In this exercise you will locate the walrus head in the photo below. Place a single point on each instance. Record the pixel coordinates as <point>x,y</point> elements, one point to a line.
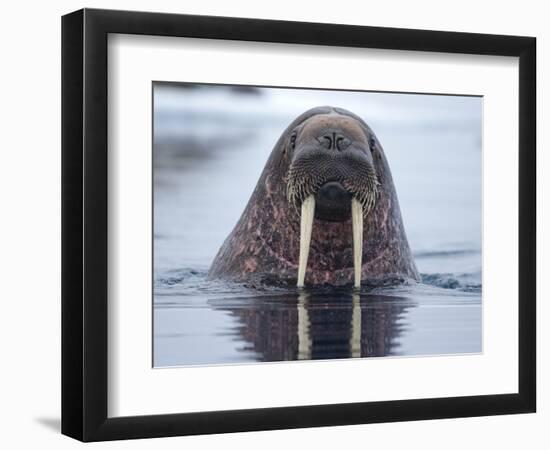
<point>332,175</point>
<point>324,211</point>
<point>331,161</point>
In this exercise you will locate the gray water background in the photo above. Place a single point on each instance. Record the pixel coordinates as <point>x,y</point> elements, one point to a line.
<point>210,146</point>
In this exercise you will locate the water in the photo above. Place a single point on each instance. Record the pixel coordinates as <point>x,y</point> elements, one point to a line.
<point>210,147</point>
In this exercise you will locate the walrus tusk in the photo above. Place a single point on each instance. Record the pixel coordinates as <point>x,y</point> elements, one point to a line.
<point>357,223</point>
<point>306,225</point>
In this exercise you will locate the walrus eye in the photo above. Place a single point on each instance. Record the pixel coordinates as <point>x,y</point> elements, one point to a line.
<point>293,141</point>
<point>372,144</point>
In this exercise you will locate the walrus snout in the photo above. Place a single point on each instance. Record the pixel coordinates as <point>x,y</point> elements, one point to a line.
<point>333,202</point>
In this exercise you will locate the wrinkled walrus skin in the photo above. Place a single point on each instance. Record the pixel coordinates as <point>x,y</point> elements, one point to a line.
<point>263,248</point>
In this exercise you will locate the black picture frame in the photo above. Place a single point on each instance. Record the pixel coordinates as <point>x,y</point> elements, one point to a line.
<point>84,224</point>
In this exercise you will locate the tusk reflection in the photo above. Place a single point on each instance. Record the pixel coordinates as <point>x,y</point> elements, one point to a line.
<point>355,340</point>
<point>304,339</point>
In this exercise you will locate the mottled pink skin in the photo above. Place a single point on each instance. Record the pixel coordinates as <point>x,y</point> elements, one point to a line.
<point>264,245</point>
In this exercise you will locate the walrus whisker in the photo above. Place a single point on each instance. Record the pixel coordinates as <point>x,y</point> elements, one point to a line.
<point>306,225</point>
<point>357,224</point>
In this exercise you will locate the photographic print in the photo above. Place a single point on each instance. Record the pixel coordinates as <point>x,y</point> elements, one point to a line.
<point>307,224</point>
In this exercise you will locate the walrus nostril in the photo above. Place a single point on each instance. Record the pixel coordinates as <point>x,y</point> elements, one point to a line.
<point>334,141</point>
<point>342,143</point>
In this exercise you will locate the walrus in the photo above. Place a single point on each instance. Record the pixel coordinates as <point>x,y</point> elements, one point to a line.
<point>324,211</point>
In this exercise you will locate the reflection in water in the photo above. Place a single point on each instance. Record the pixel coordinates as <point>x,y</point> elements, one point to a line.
<point>304,339</point>
<point>199,321</point>
<point>317,325</point>
<point>355,340</point>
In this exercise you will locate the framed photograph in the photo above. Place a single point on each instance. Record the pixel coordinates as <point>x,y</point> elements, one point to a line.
<point>273,224</point>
